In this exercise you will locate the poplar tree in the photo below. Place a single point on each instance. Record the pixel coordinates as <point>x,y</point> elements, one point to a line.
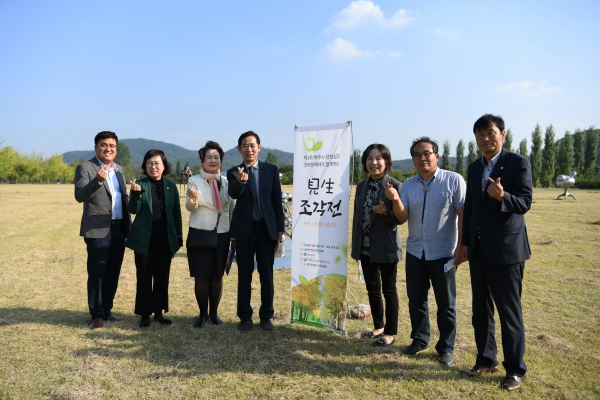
<point>536,155</point>
<point>591,149</point>
<point>460,158</point>
<point>472,156</point>
<point>564,161</point>
<point>445,163</point>
<point>508,139</point>
<point>578,150</point>
<point>523,148</point>
<point>548,157</point>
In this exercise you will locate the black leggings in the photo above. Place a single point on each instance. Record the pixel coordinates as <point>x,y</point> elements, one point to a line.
<point>380,278</point>
<point>210,287</point>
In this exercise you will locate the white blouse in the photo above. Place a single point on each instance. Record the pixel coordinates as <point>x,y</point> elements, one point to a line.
<point>203,213</point>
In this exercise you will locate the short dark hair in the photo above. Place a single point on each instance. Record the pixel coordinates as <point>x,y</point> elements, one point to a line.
<point>385,153</point>
<point>245,135</point>
<point>486,121</point>
<point>153,153</point>
<point>424,139</point>
<point>210,145</point>
<point>105,135</point>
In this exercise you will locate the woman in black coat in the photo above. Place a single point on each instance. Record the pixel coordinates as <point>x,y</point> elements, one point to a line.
<point>376,242</point>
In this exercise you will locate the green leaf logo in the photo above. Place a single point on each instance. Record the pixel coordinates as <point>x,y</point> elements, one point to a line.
<point>337,260</point>
<point>311,145</point>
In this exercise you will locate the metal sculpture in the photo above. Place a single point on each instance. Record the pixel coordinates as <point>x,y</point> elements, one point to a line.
<point>566,181</point>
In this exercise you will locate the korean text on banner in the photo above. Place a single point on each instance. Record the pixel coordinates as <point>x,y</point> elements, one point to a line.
<point>320,225</point>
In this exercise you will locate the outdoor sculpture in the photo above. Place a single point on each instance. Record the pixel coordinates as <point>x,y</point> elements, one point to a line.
<point>566,182</point>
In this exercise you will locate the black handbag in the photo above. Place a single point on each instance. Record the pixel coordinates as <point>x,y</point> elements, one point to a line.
<point>202,238</point>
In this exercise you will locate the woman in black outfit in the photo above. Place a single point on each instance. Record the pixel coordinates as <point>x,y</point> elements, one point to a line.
<point>376,242</point>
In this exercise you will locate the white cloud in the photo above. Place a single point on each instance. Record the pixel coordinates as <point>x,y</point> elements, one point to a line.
<point>529,88</point>
<point>366,12</point>
<point>445,33</point>
<point>342,50</point>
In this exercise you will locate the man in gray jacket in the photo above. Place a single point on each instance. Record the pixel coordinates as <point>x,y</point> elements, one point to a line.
<point>100,186</point>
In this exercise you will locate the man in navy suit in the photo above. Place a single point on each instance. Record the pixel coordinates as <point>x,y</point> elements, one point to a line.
<point>499,192</point>
<point>256,226</point>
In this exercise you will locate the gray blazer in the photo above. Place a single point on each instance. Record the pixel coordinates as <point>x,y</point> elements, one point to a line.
<point>96,199</point>
<point>384,238</point>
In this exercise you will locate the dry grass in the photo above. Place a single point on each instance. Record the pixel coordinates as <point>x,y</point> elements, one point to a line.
<point>46,350</point>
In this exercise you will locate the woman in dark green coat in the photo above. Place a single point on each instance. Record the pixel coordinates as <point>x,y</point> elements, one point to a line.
<point>155,236</point>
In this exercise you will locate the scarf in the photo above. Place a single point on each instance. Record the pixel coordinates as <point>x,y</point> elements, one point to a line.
<point>214,190</point>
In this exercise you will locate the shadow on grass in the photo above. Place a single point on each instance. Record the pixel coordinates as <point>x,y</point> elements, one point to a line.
<point>182,350</point>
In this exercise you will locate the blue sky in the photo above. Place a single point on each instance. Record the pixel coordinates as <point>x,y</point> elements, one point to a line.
<point>189,71</point>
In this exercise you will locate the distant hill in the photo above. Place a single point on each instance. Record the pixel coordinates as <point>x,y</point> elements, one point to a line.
<point>139,147</point>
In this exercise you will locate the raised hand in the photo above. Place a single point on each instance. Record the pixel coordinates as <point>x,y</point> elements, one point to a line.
<point>135,187</point>
<point>192,193</point>
<point>380,209</point>
<point>102,174</point>
<point>390,192</point>
<point>495,189</point>
<point>241,175</point>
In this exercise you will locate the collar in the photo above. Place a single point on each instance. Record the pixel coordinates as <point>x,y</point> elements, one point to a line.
<point>493,161</point>
<point>101,163</point>
<point>436,173</point>
<point>255,165</point>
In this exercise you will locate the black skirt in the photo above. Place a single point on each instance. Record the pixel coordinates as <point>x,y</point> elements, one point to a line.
<point>204,263</point>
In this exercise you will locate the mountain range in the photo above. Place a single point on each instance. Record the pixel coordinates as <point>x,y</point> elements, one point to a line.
<point>139,147</point>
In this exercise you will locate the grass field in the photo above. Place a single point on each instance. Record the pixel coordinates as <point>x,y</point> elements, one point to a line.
<point>47,350</point>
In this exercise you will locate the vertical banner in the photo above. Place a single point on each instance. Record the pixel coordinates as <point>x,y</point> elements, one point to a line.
<point>320,225</point>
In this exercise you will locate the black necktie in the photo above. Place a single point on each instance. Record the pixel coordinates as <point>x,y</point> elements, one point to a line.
<point>252,182</point>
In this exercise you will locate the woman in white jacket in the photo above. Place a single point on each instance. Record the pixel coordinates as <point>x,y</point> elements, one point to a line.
<point>208,202</point>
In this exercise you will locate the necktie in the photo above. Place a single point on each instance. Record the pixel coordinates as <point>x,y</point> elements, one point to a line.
<point>255,206</point>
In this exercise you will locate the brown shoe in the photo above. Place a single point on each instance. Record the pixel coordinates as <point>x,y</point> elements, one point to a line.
<point>478,370</point>
<point>512,382</point>
<point>96,323</point>
<point>113,318</point>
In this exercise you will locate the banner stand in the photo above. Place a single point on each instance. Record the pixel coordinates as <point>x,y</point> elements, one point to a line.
<point>320,225</point>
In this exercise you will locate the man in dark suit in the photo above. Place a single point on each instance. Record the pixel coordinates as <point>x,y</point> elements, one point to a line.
<point>100,186</point>
<point>499,193</point>
<point>256,226</point>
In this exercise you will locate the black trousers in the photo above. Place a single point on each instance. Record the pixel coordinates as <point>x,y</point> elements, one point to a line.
<point>381,278</point>
<point>105,257</point>
<point>261,245</point>
<point>152,296</point>
<point>500,285</point>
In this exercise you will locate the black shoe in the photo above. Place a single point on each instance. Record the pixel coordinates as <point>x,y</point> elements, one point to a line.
<point>446,359</point>
<point>371,335</point>
<point>413,349</point>
<point>478,370</point>
<point>245,324</point>
<point>266,325</point>
<point>200,322</point>
<point>145,322</point>
<point>216,320</point>
<point>382,343</point>
<point>162,320</point>
<point>512,382</point>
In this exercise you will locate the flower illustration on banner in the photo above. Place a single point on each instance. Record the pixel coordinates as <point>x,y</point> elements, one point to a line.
<point>311,145</point>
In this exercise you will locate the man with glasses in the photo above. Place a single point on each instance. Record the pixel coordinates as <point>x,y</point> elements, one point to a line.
<point>499,193</point>
<point>100,186</point>
<point>432,201</point>
<point>256,226</point>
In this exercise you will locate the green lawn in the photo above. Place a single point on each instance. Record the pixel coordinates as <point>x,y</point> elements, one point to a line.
<point>47,351</point>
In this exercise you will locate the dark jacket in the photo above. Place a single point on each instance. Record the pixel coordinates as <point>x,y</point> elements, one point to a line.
<point>503,233</point>
<point>384,238</point>
<point>141,204</point>
<point>270,201</point>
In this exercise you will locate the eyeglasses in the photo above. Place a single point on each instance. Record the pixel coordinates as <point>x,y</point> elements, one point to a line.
<point>251,145</point>
<point>418,156</point>
<point>151,164</point>
<point>105,145</point>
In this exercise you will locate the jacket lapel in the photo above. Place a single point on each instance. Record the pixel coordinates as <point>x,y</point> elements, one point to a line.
<point>97,167</point>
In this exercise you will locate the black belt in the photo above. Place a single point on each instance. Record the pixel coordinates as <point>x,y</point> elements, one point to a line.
<point>116,222</point>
